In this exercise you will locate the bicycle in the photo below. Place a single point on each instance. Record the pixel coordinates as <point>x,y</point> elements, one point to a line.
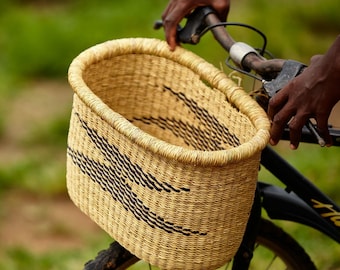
<point>300,201</point>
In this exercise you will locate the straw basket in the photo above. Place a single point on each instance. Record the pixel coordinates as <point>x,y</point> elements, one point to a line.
<point>163,152</point>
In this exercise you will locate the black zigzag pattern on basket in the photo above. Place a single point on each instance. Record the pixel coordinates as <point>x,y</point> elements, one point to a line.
<point>113,179</point>
<point>122,163</point>
<point>212,138</point>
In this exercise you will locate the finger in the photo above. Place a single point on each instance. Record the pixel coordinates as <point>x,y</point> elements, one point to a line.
<point>322,125</point>
<point>315,58</point>
<point>171,37</point>
<point>170,26</point>
<point>223,15</point>
<point>166,11</point>
<point>276,103</point>
<point>276,129</point>
<point>295,130</point>
<point>279,122</point>
<point>222,9</point>
<point>171,18</point>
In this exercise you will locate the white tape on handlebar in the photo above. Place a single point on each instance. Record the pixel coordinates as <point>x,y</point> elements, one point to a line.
<point>239,50</point>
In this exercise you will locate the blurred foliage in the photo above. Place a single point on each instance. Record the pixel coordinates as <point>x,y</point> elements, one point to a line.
<point>20,258</point>
<point>39,39</point>
<point>40,173</point>
<point>296,29</point>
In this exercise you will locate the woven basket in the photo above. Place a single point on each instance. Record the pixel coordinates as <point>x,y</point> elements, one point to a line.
<point>163,152</point>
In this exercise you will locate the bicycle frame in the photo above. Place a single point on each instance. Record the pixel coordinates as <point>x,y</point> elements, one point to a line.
<point>301,201</point>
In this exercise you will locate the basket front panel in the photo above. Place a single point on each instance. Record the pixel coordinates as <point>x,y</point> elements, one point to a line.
<point>171,214</point>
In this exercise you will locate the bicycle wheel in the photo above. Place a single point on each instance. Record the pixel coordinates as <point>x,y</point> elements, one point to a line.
<point>274,249</point>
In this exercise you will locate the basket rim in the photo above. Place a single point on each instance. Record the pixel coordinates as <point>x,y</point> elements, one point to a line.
<point>218,79</point>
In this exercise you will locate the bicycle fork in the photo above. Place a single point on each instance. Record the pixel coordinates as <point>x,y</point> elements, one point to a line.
<point>244,254</point>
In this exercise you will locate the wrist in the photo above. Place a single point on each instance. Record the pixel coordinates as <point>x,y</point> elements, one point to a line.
<point>332,58</point>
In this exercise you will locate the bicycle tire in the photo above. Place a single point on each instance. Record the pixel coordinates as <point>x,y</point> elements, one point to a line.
<point>271,237</point>
<point>284,246</point>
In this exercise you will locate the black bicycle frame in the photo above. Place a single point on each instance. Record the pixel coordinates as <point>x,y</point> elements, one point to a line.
<point>301,201</point>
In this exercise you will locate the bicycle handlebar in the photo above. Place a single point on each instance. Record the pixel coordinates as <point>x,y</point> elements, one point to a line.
<point>276,73</point>
<point>245,56</point>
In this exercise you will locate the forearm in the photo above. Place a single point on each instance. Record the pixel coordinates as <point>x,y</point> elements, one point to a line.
<point>323,74</point>
<point>331,64</point>
<point>334,53</point>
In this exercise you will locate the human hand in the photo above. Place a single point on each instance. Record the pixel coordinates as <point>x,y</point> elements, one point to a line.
<point>178,9</point>
<point>312,94</point>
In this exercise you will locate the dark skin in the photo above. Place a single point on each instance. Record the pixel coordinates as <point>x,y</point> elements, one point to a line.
<point>178,9</point>
<point>312,94</point>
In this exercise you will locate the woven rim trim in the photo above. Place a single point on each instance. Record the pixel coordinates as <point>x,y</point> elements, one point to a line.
<point>217,79</point>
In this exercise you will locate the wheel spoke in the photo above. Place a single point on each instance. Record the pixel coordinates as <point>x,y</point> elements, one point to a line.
<point>271,262</point>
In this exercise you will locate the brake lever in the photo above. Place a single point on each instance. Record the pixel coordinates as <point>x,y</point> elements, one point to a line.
<point>194,26</point>
<point>290,69</point>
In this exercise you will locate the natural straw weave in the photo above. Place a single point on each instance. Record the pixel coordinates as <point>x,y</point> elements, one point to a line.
<point>163,152</point>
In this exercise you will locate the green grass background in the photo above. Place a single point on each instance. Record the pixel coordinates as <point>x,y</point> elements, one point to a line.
<point>39,39</point>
